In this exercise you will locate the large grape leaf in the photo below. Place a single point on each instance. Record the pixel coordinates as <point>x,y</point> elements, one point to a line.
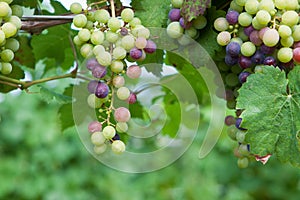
<point>191,9</point>
<point>50,96</point>
<point>271,104</point>
<point>153,13</point>
<point>27,3</point>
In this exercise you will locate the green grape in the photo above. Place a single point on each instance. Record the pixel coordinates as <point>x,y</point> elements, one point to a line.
<point>76,8</point>
<point>256,24</point>
<point>192,32</point>
<point>123,93</point>
<point>284,31</point>
<point>2,37</point>
<point>290,18</point>
<point>80,21</point>
<point>243,150</point>
<point>231,132</point>
<point>251,6</point>
<point>271,37</point>
<point>248,49</point>
<point>99,149</point>
<point>237,40</point>
<point>119,53</point>
<point>17,10</point>
<point>280,4</point>
<point>111,37</point>
<point>97,138</point>
<point>127,14</point>
<point>292,5</point>
<point>266,5</point>
<point>109,132</point>
<point>240,2</point>
<point>143,32</point>
<point>118,147</point>
<point>200,22</point>
<point>77,41</point>
<point>285,54</point>
<point>94,102</point>
<point>86,50</point>
<point>236,7</point>
<point>122,127</point>
<point>11,43</point>
<point>9,29</point>
<point>84,35</point>
<point>5,10</point>
<point>223,38</point>
<point>128,42</point>
<point>231,80</point>
<point>89,25</point>
<point>177,3</point>
<point>7,55</point>
<point>135,22</point>
<point>263,17</point>
<point>91,16</point>
<point>243,162</point>
<point>184,40</point>
<point>16,21</point>
<point>114,24</point>
<point>104,58</point>
<point>231,104</point>
<point>236,69</point>
<point>296,33</point>
<point>174,30</point>
<point>6,68</point>
<point>97,37</point>
<point>102,16</point>
<point>240,136</point>
<point>98,49</point>
<point>287,42</point>
<point>118,81</point>
<point>140,42</point>
<point>245,19</point>
<point>117,66</point>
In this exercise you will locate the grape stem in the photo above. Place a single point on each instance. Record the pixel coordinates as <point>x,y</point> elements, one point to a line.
<point>113,9</point>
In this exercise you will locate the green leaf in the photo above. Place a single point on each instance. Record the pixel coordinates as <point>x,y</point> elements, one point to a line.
<point>27,3</point>
<point>153,13</point>
<point>50,96</point>
<point>65,111</point>
<point>208,36</point>
<point>271,104</point>
<point>191,9</point>
<point>17,73</point>
<point>153,62</point>
<point>25,55</point>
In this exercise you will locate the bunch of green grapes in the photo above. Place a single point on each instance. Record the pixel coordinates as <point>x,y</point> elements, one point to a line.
<point>10,25</point>
<point>254,34</point>
<point>108,43</point>
<point>181,30</point>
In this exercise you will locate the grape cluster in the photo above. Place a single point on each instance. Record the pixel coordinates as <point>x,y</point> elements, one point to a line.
<point>10,25</point>
<point>109,43</point>
<point>180,29</point>
<point>255,33</point>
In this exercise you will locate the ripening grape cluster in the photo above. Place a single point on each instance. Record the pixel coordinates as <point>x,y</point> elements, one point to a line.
<point>255,33</point>
<point>180,29</point>
<point>109,43</point>
<point>10,25</point>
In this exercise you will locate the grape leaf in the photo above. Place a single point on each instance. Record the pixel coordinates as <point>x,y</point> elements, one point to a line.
<point>27,3</point>
<point>65,111</point>
<point>50,96</point>
<point>271,104</point>
<point>191,9</point>
<point>153,13</point>
<point>24,55</point>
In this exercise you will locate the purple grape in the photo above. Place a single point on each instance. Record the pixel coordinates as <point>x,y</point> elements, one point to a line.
<point>116,137</point>
<point>92,86</point>
<point>258,57</point>
<point>99,71</point>
<point>248,30</point>
<point>270,60</point>
<point>233,49</point>
<point>232,17</point>
<point>185,25</point>
<point>243,77</point>
<point>230,61</point>
<point>229,96</point>
<point>238,123</point>
<point>94,126</point>
<point>102,90</point>
<point>136,53</point>
<point>150,47</point>
<point>229,120</point>
<point>287,66</point>
<point>267,50</point>
<point>92,63</point>
<point>254,38</point>
<point>245,62</point>
<point>174,14</point>
<point>124,31</point>
<point>132,98</point>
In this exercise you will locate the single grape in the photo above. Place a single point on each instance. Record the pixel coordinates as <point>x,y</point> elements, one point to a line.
<point>119,53</point>
<point>270,60</point>
<point>245,19</point>
<point>140,42</point>
<point>17,10</point>
<point>251,7</point>
<point>97,37</point>
<point>221,24</point>
<point>229,120</point>
<point>236,69</point>
<point>244,149</point>
<point>280,4</point>
<point>102,90</point>
<point>150,47</point>
<point>223,38</point>
<point>7,55</point>
<point>99,72</point>
<point>5,10</point>
<point>174,30</point>
<point>84,35</point>
<point>122,114</point>
<point>118,147</point>
<point>290,18</point>
<point>233,49</point>
<point>109,132</point>
<point>234,6</point>
<point>229,95</point>
<point>263,17</point>
<point>9,29</point>
<point>128,42</point>
<point>200,22</point>
<point>284,31</point>
<point>16,21</point>
<point>267,50</point>
<point>127,14</point>
<point>86,50</point>
<point>80,21</point>
<point>92,86</point>
<point>123,93</point>
<point>102,16</point>
<point>92,63</point>
<point>296,55</point>
<point>248,30</point>
<point>118,81</point>
<point>97,138</point>
<point>104,58</point>
<point>285,54</point>
<point>136,53</point>
<point>76,8</point>
<point>135,22</point>
<point>232,17</point>
<point>267,5</point>
<point>6,68</point>
<point>287,42</point>
<point>254,38</point>
<point>177,3</point>
<point>231,80</point>
<point>11,43</point>
<point>117,66</point>
<point>248,49</point>
<point>99,149</point>
<point>243,77</point>
<point>258,58</point>
<point>192,32</point>
<point>134,71</point>
<point>121,127</point>
<point>132,98</point>
<point>245,62</point>
<point>296,33</point>
<point>124,31</point>
<point>184,24</point>
<point>243,162</point>
<point>231,132</point>
<point>117,136</point>
<point>174,14</point>
<point>256,25</point>
<point>240,136</point>
<point>229,60</point>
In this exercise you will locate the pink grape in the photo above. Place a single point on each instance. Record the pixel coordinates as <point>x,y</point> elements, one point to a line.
<point>150,47</point>
<point>92,86</point>
<point>136,53</point>
<point>122,114</point>
<point>99,71</point>
<point>134,71</point>
<point>95,126</point>
<point>132,98</point>
<point>92,63</point>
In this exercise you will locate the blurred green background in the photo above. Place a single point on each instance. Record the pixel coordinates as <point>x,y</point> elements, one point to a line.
<point>39,162</point>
